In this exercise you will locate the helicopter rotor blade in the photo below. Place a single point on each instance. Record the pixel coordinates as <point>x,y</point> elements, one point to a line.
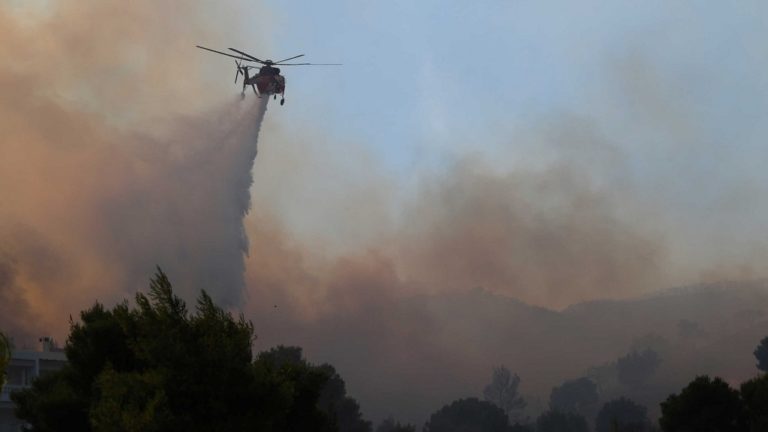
<point>237,70</point>
<point>223,53</point>
<point>311,64</point>
<point>289,58</point>
<point>247,55</point>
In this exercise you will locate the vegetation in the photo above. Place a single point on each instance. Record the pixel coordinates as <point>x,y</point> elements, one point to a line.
<point>706,404</point>
<point>761,354</point>
<point>5,356</point>
<point>622,415</point>
<point>557,421</point>
<point>577,396</point>
<point>158,367</point>
<point>754,393</point>
<point>469,414</point>
<point>503,391</point>
<point>390,425</point>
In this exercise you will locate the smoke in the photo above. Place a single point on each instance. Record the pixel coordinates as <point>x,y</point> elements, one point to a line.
<point>98,187</point>
<point>394,311</point>
<point>548,238</point>
<point>112,161</point>
<point>393,314</point>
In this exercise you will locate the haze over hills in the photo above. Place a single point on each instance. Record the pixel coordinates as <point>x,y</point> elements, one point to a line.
<point>457,338</point>
<point>585,164</point>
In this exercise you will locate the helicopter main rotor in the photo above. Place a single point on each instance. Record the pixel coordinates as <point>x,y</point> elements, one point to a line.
<point>244,56</point>
<point>281,62</point>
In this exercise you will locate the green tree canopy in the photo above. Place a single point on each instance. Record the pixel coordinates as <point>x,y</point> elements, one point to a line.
<point>520,428</point>
<point>761,354</point>
<point>577,396</point>
<point>332,399</point>
<point>755,395</point>
<point>467,415</point>
<point>159,367</point>
<point>705,405</point>
<point>390,425</point>
<point>5,357</point>
<point>503,391</point>
<point>557,421</point>
<point>622,415</point>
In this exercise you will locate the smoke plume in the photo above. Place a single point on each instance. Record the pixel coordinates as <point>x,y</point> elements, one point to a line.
<point>117,154</point>
<point>96,190</point>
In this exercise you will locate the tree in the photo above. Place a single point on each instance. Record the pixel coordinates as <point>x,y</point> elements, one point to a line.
<point>636,368</point>
<point>503,391</point>
<point>467,415</point>
<point>517,427</point>
<point>557,421</point>
<point>577,396</point>
<point>344,410</point>
<point>390,425</point>
<point>332,399</point>
<point>755,395</point>
<point>704,405</point>
<point>158,367</point>
<point>5,357</point>
<point>761,354</point>
<point>622,415</point>
<point>292,386</point>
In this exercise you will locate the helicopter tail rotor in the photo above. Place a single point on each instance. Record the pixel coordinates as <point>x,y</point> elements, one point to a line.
<point>239,71</point>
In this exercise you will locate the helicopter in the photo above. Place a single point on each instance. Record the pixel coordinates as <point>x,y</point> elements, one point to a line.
<point>268,80</point>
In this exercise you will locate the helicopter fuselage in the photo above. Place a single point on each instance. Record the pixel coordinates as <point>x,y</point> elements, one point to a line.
<point>267,82</point>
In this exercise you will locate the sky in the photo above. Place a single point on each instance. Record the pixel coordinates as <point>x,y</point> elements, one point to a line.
<point>676,90</point>
<point>547,152</point>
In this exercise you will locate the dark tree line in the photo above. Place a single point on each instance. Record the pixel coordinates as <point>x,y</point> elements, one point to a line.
<point>705,405</point>
<point>5,356</point>
<point>710,404</point>
<point>158,367</point>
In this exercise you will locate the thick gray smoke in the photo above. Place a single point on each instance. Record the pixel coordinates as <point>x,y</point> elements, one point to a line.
<point>116,205</point>
<point>111,165</point>
<point>185,209</point>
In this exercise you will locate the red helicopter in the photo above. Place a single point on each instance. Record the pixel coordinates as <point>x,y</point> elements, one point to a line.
<point>268,81</point>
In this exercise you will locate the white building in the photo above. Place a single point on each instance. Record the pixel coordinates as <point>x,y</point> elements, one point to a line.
<point>24,367</point>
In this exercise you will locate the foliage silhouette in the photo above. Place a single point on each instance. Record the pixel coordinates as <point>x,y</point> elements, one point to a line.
<point>557,421</point>
<point>761,354</point>
<point>503,391</point>
<point>466,415</point>
<point>755,395</point>
<point>390,425</point>
<point>517,427</point>
<point>158,367</point>
<point>577,396</point>
<point>332,398</point>
<point>623,415</point>
<point>704,405</point>
<point>5,356</point>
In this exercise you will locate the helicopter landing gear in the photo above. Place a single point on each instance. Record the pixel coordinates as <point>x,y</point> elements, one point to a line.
<point>274,98</point>
<point>282,101</point>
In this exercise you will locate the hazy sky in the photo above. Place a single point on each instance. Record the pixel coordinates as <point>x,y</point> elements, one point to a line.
<point>549,152</point>
<point>676,91</point>
<point>650,116</point>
